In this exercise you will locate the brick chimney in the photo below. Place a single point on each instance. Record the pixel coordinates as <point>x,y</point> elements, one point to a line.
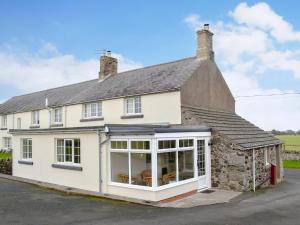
<point>108,65</point>
<point>205,43</point>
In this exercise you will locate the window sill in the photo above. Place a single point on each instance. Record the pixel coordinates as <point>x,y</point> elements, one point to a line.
<point>34,126</point>
<point>25,162</point>
<point>92,119</point>
<point>67,167</point>
<point>132,116</point>
<point>57,125</point>
<point>3,128</point>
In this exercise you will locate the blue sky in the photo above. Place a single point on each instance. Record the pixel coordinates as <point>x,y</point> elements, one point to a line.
<point>38,37</point>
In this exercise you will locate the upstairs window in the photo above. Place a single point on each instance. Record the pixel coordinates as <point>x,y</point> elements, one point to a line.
<point>57,115</point>
<point>133,105</point>
<point>4,121</point>
<point>92,110</point>
<point>19,123</point>
<point>35,118</point>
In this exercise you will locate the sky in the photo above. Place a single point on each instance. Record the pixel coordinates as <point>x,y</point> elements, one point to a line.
<point>45,44</point>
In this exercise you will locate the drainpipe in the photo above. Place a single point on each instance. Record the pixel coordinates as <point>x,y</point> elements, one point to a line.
<point>253,169</point>
<point>100,143</point>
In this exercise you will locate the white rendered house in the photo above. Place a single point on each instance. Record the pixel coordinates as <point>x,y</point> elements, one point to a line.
<point>146,134</point>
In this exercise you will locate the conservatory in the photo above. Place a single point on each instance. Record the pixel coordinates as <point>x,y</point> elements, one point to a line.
<point>158,163</point>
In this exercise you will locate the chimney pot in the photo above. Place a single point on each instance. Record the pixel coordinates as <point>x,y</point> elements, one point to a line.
<point>205,43</point>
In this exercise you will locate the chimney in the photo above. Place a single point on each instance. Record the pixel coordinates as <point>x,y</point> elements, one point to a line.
<point>205,44</point>
<point>108,65</point>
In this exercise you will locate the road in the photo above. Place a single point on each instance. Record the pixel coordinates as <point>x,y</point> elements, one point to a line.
<point>28,204</point>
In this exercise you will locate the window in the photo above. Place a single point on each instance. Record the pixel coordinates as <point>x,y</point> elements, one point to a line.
<point>68,151</point>
<point>186,143</point>
<point>57,115</point>
<point>267,157</point>
<point>133,105</point>
<point>92,110</point>
<point>175,163</point>
<point>201,157</point>
<point>4,121</point>
<point>19,124</point>
<point>7,142</point>
<point>131,165</point>
<point>26,149</point>
<point>166,144</point>
<point>35,118</point>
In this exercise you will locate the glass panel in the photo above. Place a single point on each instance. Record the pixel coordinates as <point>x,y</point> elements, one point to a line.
<point>186,164</point>
<point>24,148</point>
<point>141,169</point>
<point>129,105</point>
<point>166,168</point>
<point>76,151</point>
<point>141,145</point>
<point>201,157</point>
<point>119,167</point>
<point>118,144</point>
<point>94,109</point>
<point>68,150</point>
<point>165,144</point>
<point>60,150</point>
<point>186,143</point>
<point>137,104</point>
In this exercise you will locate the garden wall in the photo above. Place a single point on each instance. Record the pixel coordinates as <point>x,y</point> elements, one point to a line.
<point>291,155</point>
<point>6,166</point>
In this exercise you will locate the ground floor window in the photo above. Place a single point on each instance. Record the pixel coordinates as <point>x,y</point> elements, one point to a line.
<point>201,157</point>
<point>68,151</point>
<point>26,147</point>
<point>267,156</point>
<point>7,142</point>
<point>130,162</point>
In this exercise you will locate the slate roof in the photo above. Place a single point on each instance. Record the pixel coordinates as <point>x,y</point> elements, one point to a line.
<point>238,130</point>
<point>154,79</point>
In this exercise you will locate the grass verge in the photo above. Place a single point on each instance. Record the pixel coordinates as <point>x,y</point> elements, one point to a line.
<point>291,164</point>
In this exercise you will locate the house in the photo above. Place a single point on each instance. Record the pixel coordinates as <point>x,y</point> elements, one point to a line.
<point>150,133</point>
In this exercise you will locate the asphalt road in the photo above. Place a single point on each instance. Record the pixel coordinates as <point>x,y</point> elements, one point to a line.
<point>27,204</point>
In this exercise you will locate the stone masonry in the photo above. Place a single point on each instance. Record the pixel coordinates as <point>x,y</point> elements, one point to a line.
<point>6,166</point>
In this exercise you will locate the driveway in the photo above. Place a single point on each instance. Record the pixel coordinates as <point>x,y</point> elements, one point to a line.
<point>27,204</point>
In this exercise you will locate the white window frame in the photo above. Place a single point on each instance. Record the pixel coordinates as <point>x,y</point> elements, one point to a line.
<point>267,157</point>
<point>73,163</point>
<point>35,117</point>
<point>154,151</point>
<point>7,144</point>
<point>92,110</point>
<point>4,121</point>
<point>28,147</point>
<point>57,115</point>
<point>133,105</point>
<point>19,123</point>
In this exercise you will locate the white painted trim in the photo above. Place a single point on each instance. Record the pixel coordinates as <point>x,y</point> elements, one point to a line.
<point>183,134</point>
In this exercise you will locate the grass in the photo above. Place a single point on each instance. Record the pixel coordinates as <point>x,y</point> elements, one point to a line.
<point>291,164</point>
<point>292,142</point>
<point>5,155</point>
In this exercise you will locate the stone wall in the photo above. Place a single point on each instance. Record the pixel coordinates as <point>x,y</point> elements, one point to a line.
<point>231,166</point>
<point>6,166</point>
<point>291,155</point>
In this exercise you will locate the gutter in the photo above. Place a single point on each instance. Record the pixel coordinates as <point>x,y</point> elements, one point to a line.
<point>253,170</point>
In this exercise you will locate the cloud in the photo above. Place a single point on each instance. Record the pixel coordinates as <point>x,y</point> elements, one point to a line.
<point>47,68</point>
<point>252,43</point>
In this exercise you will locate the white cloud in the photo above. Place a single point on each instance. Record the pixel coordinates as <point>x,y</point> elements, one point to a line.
<point>48,68</point>
<point>248,47</point>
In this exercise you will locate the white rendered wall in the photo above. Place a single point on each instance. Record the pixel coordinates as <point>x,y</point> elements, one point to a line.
<point>43,156</point>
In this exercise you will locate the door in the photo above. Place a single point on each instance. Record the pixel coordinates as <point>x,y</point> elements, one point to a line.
<point>201,164</point>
